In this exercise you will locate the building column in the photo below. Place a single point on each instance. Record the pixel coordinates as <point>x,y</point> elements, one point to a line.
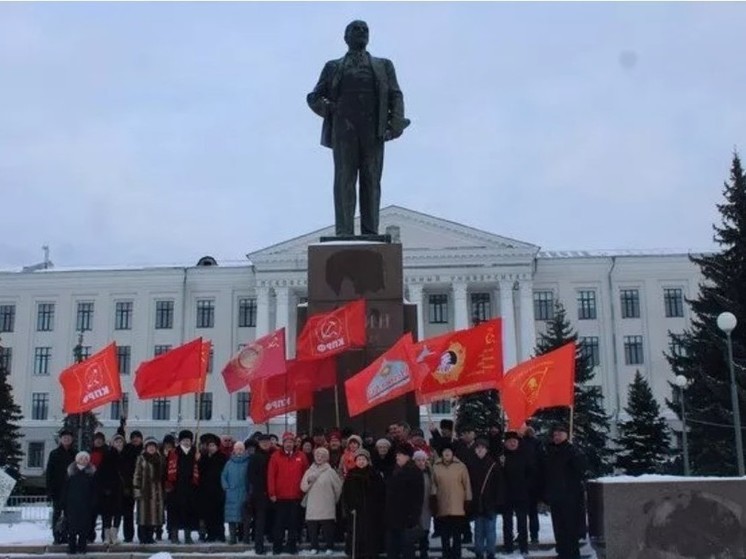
<point>262,311</point>
<point>528,327</point>
<point>415,297</point>
<point>507,314</point>
<point>460,307</point>
<point>282,313</point>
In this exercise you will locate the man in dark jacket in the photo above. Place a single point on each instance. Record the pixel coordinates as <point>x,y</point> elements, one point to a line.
<point>258,501</point>
<point>98,453</point>
<point>59,459</point>
<point>440,437</point>
<point>464,450</point>
<point>488,494</point>
<point>182,480</point>
<point>405,494</point>
<point>564,472</point>
<point>111,480</point>
<point>132,450</point>
<point>531,445</point>
<point>517,472</point>
<point>211,494</point>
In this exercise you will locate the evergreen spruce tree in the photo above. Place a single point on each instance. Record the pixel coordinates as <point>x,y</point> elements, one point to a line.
<point>10,414</point>
<point>82,425</point>
<point>590,422</point>
<point>699,353</point>
<point>644,440</point>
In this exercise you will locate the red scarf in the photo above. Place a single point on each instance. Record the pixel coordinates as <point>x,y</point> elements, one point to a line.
<point>173,466</point>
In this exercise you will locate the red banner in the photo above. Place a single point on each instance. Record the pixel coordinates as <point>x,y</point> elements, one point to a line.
<point>392,375</point>
<point>279,394</point>
<point>92,383</point>
<point>179,371</point>
<point>321,373</point>
<point>333,333</point>
<point>460,362</point>
<point>261,358</point>
<point>545,381</point>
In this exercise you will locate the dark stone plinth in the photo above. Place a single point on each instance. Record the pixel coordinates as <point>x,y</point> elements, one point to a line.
<point>340,273</point>
<point>359,238</point>
<point>697,518</point>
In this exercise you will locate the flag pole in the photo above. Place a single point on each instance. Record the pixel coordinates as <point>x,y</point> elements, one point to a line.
<point>336,404</point>
<point>79,359</point>
<point>572,420</point>
<point>310,422</point>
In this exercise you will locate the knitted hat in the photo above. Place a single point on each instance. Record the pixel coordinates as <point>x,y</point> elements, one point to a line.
<point>362,452</point>
<point>383,442</point>
<point>335,435</point>
<point>186,434</point>
<point>288,435</point>
<point>355,438</point>
<point>420,455</point>
<point>149,441</point>
<point>117,438</point>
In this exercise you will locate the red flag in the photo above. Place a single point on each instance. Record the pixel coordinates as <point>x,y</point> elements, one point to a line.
<point>279,394</point>
<point>261,358</point>
<point>460,362</point>
<point>321,373</point>
<point>333,333</point>
<point>92,383</point>
<point>542,382</point>
<point>392,375</point>
<point>179,371</point>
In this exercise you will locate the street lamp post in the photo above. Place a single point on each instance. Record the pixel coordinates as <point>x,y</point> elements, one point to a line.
<point>727,323</point>
<point>682,382</point>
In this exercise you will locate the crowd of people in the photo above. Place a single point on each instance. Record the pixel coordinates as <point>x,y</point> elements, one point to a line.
<point>373,496</point>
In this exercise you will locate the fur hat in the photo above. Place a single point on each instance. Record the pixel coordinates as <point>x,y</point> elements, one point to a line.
<point>355,438</point>
<point>420,454</point>
<point>149,441</point>
<point>446,424</point>
<point>134,434</point>
<point>383,442</point>
<point>169,439</point>
<point>117,437</point>
<point>186,434</point>
<point>362,452</point>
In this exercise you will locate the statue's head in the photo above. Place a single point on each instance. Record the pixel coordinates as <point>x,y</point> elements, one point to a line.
<point>356,34</point>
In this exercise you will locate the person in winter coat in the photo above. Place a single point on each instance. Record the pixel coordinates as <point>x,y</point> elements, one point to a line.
<point>79,502</point>
<point>518,474</point>
<point>323,488</point>
<point>147,489</point>
<point>210,493</point>
<point>234,482</point>
<point>417,440</point>
<point>422,461</point>
<point>168,444</point>
<point>405,491</point>
<point>335,449</point>
<point>132,450</point>
<point>452,491</point>
<point>383,459</point>
<point>111,480</point>
<point>487,490</point>
<point>439,437</point>
<point>531,445</point>
<point>363,507</point>
<point>285,472</point>
<point>258,501</point>
<point>354,443</point>
<point>98,452</point>
<point>182,481</point>
<point>56,476</point>
<point>564,472</point>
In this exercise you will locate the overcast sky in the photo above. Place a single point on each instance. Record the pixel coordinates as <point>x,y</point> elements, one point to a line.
<point>138,133</point>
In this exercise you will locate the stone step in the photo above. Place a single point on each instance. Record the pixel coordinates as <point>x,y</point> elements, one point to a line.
<point>184,554</point>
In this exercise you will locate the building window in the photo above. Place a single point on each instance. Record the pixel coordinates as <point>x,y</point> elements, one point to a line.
<point>85,352</point>
<point>587,305</point>
<point>45,317</point>
<point>84,319</point>
<point>7,318</point>
<point>161,409</point>
<point>164,315</point>
<point>6,359</point>
<point>39,406</point>
<point>35,454</point>
<point>441,406</point>
<point>673,300</point>
<point>161,349</point>
<point>42,358</point>
<point>246,313</point>
<point>590,351</point>
<point>630,301</point>
<point>205,313</point>
<point>438,306</point>
<point>123,315</point>
<point>633,350</point>
<point>120,408</point>
<point>543,305</point>
<point>243,401</point>
<point>203,406</point>
<point>210,360</point>
<point>481,308</point>
<point>124,357</point>
<point>678,349</point>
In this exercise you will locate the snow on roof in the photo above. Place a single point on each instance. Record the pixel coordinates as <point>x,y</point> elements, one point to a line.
<point>129,267</point>
<point>620,252</point>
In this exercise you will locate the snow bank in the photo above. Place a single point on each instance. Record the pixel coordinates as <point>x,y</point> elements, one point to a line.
<point>25,533</point>
<point>656,478</point>
<point>161,555</point>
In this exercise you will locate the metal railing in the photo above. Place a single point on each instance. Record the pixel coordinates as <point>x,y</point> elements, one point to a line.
<point>20,508</point>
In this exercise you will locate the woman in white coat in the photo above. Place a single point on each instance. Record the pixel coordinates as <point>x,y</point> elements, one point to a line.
<point>323,487</point>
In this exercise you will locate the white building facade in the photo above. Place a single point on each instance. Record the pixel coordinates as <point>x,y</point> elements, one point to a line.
<point>623,306</point>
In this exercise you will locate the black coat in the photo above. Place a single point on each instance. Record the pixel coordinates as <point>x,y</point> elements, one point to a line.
<point>384,466</point>
<point>405,493</point>
<point>535,455</point>
<point>518,473</point>
<point>257,476</point>
<point>131,453</point>
<point>465,453</point>
<point>79,498</point>
<point>111,478</point>
<point>211,497</point>
<point>363,491</point>
<point>487,489</point>
<point>56,474</point>
<point>564,472</point>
